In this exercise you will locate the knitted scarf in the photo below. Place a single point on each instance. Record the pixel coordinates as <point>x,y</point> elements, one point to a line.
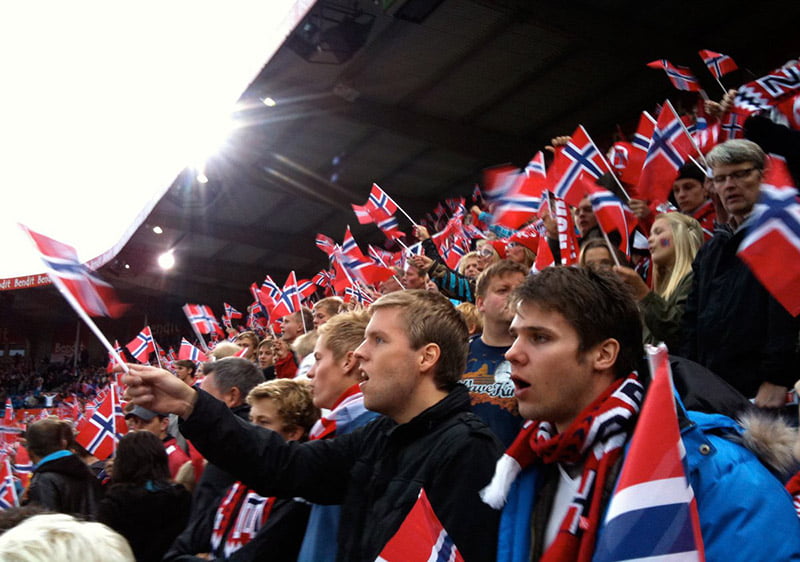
<point>240,515</point>
<point>348,406</point>
<point>595,438</point>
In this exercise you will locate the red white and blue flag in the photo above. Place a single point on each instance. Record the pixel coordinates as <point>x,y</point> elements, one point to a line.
<point>771,247</point>
<point>142,345</point>
<point>522,201</point>
<point>680,76</point>
<point>421,536</point>
<point>111,361</point>
<point>380,209</point>
<point>717,63</point>
<point>669,149</point>
<point>612,214</point>
<point>99,432</point>
<point>769,90</point>
<point>190,352</point>
<point>653,512</point>
<point>8,493</point>
<point>202,318</point>
<point>92,294</point>
<point>576,166</point>
<point>230,312</point>
<point>8,414</point>
<point>627,158</point>
<point>325,243</point>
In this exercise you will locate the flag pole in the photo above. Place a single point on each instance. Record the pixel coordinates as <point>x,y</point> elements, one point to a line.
<point>155,346</point>
<point>691,138</point>
<point>399,208</point>
<point>199,337</point>
<point>383,263</point>
<point>610,248</point>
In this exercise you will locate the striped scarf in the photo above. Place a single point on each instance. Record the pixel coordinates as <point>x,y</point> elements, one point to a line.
<point>596,439</point>
<point>348,407</point>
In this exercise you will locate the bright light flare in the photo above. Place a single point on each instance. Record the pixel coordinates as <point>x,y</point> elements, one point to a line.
<point>166,260</point>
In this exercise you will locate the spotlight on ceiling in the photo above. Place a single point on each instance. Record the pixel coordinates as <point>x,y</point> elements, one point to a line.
<point>269,102</point>
<point>158,230</point>
<point>166,260</point>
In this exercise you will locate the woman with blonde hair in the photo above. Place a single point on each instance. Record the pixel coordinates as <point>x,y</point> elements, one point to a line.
<point>674,241</point>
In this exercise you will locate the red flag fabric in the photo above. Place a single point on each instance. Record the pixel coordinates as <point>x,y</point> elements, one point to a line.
<point>8,415</point>
<point>628,158</point>
<point>99,432</point>
<point>575,167</point>
<point>92,294</point>
<point>669,150</point>
<point>8,493</point>
<point>680,76</point>
<point>522,201</point>
<point>771,247</point>
<point>790,108</point>
<point>190,352</point>
<point>420,537</point>
<point>717,63</point>
<point>142,345</point>
<point>202,318</point>
<point>325,243</point>
<point>653,496</point>
<point>111,361</point>
<point>544,256</point>
<point>612,215</point>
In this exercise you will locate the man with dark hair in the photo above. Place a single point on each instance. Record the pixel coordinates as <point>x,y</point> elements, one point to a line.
<point>411,361</point>
<point>488,373</point>
<point>142,419</point>
<point>732,325</point>
<point>61,481</point>
<point>578,339</point>
<point>691,196</point>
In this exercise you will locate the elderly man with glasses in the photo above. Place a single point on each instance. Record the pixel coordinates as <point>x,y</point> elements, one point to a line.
<point>733,326</point>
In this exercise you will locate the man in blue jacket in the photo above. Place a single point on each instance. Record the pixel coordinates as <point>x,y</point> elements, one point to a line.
<point>577,344</point>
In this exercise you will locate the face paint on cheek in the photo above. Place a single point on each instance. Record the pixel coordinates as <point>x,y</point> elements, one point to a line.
<point>665,243</point>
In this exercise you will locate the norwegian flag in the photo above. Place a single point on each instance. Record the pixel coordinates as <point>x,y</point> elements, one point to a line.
<point>771,247</point>
<point>680,76</point>
<point>325,243</point>
<point>381,256</point>
<point>776,173</point>
<point>380,209</point>
<point>270,292</point>
<point>92,294</point>
<point>421,536</point>
<point>523,199</point>
<point>23,466</point>
<point>202,318</point>
<point>612,214</point>
<point>669,150</point>
<point>380,201</point>
<point>292,292</point>
<point>323,279</point>
<point>731,127</point>
<point>357,265</point>
<point>575,167</point>
<point>499,182</point>
<point>653,499</point>
<point>142,345</point>
<point>354,293</point>
<point>768,90</point>
<point>717,63</point>
<point>231,312</point>
<point>111,361</point>
<point>8,493</point>
<point>100,431</point>
<point>627,158</point>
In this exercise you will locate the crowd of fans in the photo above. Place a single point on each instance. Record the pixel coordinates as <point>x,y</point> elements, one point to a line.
<point>315,443</point>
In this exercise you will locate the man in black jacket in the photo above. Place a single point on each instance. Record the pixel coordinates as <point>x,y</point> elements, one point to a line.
<point>412,359</point>
<point>732,325</point>
<point>61,481</point>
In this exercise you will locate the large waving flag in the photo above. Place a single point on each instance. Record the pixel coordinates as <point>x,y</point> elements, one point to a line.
<point>717,63</point>
<point>142,345</point>
<point>380,209</point>
<point>771,247</point>
<point>100,431</point>
<point>653,512</point>
<point>575,167</point>
<point>78,282</point>
<point>669,150</point>
<point>628,158</point>
<point>680,76</point>
<point>420,537</point>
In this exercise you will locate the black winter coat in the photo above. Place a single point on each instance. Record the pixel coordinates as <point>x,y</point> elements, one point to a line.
<point>65,485</point>
<point>375,472</point>
<point>732,325</point>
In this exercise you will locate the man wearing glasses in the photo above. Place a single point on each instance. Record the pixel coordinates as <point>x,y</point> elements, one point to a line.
<point>732,325</point>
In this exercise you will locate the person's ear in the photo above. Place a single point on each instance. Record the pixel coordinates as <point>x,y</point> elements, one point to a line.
<point>604,354</point>
<point>429,356</point>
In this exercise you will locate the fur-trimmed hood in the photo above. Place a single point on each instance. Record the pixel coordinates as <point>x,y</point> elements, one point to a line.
<point>771,439</point>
